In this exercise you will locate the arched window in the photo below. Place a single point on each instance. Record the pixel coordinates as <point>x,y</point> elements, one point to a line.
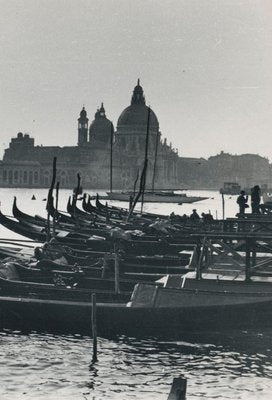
<point>31,177</point>
<point>10,177</point>
<point>16,176</point>
<point>36,177</point>
<point>25,176</point>
<point>63,179</point>
<point>46,178</point>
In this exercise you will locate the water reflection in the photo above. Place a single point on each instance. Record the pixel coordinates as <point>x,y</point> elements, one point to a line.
<point>234,365</point>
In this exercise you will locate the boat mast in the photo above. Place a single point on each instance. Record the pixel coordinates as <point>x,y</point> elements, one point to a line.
<point>50,198</point>
<point>146,157</point>
<point>155,160</point>
<point>111,145</point>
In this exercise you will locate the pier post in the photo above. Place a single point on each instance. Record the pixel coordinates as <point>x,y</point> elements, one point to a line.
<point>117,272</point>
<point>105,266</point>
<point>247,266</point>
<point>253,259</point>
<point>200,260</point>
<point>178,389</point>
<point>223,206</point>
<point>94,328</point>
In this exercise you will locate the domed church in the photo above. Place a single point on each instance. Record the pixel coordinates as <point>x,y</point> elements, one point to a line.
<point>130,143</point>
<point>27,165</point>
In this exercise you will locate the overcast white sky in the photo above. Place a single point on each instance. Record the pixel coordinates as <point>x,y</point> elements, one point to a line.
<point>205,66</point>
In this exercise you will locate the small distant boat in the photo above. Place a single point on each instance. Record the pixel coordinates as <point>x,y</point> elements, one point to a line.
<point>267,197</point>
<point>231,188</point>
<point>155,197</point>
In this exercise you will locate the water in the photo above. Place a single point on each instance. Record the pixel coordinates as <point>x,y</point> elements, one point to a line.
<point>234,365</point>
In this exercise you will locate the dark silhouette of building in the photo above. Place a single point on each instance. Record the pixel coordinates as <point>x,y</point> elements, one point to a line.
<point>27,165</point>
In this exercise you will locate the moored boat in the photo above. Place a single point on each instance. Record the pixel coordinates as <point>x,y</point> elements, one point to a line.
<point>152,310</point>
<point>155,197</point>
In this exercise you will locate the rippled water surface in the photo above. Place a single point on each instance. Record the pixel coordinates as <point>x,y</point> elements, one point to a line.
<point>236,365</point>
<point>230,366</point>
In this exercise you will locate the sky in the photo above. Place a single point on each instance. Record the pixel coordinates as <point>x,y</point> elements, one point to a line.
<point>205,67</point>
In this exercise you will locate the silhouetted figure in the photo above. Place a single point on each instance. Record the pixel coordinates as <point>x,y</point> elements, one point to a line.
<point>194,216</point>
<point>207,218</point>
<point>242,202</point>
<point>255,199</point>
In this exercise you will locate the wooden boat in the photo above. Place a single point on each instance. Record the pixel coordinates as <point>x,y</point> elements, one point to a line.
<point>123,211</point>
<point>152,310</point>
<point>155,197</point>
<point>93,242</point>
<point>51,273</point>
<point>60,290</point>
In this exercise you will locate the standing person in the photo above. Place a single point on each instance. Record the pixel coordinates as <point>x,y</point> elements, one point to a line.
<point>242,202</point>
<point>194,216</point>
<point>255,199</point>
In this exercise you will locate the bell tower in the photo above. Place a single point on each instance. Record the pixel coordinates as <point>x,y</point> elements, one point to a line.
<point>82,127</point>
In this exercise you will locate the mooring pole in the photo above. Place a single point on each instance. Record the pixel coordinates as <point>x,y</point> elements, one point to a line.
<point>48,227</point>
<point>50,198</point>
<point>94,328</point>
<point>247,266</point>
<point>55,210</point>
<point>178,389</point>
<point>155,160</point>
<point>105,266</point>
<point>200,261</point>
<point>146,157</point>
<point>116,272</point>
<point>111,146</point>
<point>223,206</point>
<point>253,260</point>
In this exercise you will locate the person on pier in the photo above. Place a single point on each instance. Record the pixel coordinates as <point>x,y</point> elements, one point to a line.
<point>242,202</point>
<point>194,216</point>
<point>255,199</point>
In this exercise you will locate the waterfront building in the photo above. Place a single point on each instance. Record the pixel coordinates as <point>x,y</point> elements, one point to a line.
<point>246,170</point>
<point>27,165</point>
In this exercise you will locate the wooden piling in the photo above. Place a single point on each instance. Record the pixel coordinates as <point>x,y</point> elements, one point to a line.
<point>247,265</point>
<point>116,272</point>
<point>200,260</point>
<point>253,260</point>
<point>56,210</point>
<point>105,266</point>
<point>94,328</point>
<point>223,206</point>
<point>178,389</point>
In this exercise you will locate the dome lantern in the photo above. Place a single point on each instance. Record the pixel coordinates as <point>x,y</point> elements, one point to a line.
<point>138,94</point>
<point>133,120</point>
<point>100,128</point>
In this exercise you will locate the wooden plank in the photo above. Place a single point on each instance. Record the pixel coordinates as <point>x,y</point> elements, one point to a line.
<point>178,389</point>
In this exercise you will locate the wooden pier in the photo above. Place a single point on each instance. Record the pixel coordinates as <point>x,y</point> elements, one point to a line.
<point>247,253</point>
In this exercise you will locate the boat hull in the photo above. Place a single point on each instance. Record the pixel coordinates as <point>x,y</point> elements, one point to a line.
<point>75,317</point>
<point>156,198</point>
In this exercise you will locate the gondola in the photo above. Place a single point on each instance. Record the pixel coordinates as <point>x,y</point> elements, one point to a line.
<point>152,310</point>
<point>124,212</point>
<point>37,233</point>
<point>79,278</point>
<point>83,241</point>
<point>60,290</point>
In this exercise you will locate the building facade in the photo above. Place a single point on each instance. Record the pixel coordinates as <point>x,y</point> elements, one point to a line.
<point>27,165</point>
<point>247,170</point>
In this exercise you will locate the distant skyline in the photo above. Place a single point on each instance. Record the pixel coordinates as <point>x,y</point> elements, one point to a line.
<point>205,67</point>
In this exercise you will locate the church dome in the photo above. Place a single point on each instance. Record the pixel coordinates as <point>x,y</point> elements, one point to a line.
<point>100,128</point>
<point>135,115</point>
